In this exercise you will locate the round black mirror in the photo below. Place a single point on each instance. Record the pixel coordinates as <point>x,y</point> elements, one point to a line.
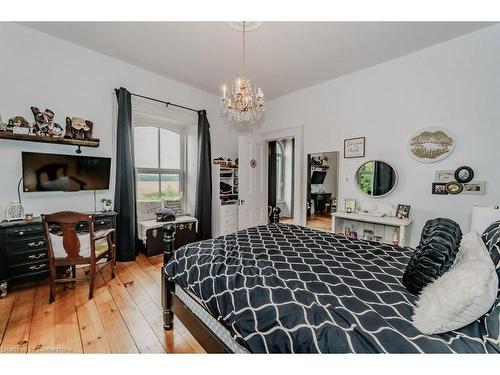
<point>376,178</point>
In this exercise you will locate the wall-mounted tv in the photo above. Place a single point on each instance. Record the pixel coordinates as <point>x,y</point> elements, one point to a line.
<point>56,172</point>
<point>318,177</point>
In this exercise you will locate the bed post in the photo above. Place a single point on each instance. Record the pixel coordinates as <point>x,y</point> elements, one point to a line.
<point>276,215</point>
<point>166,285</point>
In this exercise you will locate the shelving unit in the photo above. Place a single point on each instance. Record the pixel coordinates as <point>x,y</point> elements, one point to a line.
<point>383,227</point>
<point>224,203</point>
<point>35,138</point>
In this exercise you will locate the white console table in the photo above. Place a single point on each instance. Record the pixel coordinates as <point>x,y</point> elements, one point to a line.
<point>381,226</point>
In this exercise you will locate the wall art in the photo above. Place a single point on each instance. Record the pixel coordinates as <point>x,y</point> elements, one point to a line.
<point>430,145</point>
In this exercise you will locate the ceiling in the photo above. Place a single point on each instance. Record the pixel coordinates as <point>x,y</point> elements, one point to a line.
<point>281,56</point>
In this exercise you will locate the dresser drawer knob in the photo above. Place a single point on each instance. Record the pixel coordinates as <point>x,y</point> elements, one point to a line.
<point>36,244</point>
<point>21,233</point>
<point>37,267</point>
<point>37,256</point>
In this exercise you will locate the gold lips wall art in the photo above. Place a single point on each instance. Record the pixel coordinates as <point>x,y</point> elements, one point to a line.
<point>430,145</point>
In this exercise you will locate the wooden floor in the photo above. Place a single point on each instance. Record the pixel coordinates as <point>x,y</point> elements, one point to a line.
<point>323,222</point>
<point>124,316</point>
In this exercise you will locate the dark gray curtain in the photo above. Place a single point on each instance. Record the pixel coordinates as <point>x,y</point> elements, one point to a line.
<point>203,207</point>
<point>271,178</point>
<point>126,222</point>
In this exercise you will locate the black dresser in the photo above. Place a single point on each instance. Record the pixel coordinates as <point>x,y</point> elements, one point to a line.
<point>23,250</point>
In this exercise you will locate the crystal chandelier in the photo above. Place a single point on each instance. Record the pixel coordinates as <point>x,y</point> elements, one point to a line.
<point>245,103</point>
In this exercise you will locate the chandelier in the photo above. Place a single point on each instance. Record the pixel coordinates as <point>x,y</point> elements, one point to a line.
<point>244,103</point>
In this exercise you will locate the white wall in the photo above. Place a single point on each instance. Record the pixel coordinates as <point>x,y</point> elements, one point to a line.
<point>47,72</point>
<point>454,84</point>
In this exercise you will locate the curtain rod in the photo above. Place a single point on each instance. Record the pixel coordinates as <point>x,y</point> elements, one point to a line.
<point>166,103</point>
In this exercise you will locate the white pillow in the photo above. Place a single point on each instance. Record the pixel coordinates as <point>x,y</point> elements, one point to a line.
<point>461,295</point>
<point>472,247</point>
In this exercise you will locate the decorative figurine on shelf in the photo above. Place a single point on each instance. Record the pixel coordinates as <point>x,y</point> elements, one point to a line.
<point>44,125</point>
<point>106,204</point>
<point>18,125</point>
<point>3,125</point>
<point>80,129</point>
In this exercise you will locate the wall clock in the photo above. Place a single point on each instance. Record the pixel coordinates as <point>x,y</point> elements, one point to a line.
<point>14,211</point>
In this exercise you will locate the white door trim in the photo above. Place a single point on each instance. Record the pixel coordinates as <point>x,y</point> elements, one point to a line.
<point>299,215</point>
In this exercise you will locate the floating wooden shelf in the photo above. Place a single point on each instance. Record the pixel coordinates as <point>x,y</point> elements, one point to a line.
<point>35,138</point>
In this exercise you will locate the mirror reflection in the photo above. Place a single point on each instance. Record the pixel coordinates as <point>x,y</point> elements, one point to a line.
<point>322,188</point>
<point>376,178</point>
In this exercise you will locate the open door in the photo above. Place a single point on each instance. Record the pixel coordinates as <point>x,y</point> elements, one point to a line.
<point>252,182</point>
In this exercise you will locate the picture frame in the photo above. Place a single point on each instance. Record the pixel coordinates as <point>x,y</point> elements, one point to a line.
<point>439,188</point>
<point>446,175</point>
<point>474,188</point>
<point>454,187</point>
<point>464,174</point>
<point>350,205</point>
<point>354,147</point>
<point>403,211</point>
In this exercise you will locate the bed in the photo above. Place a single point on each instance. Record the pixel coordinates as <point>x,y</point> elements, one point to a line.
<point>289,289</point>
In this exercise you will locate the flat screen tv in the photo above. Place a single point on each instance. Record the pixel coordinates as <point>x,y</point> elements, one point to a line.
<point>56,172</point>
<point>318,177</point>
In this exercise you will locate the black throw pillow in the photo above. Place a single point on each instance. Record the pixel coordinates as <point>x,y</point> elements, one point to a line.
<point>491,238</point>
<point>439,244</point>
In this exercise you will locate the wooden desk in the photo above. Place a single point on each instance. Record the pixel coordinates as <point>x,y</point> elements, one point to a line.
<point>319,201</point>
<point>23,249</point>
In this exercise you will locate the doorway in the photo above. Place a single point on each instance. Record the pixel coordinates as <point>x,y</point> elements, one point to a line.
<point>281,156</point>
<point>322,189</point>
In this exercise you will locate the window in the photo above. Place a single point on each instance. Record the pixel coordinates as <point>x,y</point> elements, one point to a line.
<point>159,162</point>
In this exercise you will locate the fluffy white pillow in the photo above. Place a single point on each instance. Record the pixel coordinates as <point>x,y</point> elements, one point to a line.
<point>463,294</point>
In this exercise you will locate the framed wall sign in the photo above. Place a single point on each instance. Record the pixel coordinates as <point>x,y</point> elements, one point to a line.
<point>354,147</point>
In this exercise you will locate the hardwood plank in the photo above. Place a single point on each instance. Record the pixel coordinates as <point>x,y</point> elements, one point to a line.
<point>117,334</point>
<point>91,329</point>
<point>154,272</point>
<point>143,335</point>
<point>6,305</point>
<point>125,315</point>
<point>152,312</point>
<point>42,335</point>
<point>154,290</point>
<point>67,331</point>
<point>149,286</point>
<point>16,335</point>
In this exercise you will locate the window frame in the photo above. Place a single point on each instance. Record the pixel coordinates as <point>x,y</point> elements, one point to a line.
<point>162,171</point>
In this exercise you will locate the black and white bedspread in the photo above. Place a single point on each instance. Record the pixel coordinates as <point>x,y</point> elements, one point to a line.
<point>290,289</point>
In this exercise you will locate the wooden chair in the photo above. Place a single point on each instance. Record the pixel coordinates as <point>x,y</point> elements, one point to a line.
<point>69,248</point>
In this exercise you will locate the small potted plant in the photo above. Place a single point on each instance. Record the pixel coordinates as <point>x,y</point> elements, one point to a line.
<point>106,204</point>
<point>165,214</point>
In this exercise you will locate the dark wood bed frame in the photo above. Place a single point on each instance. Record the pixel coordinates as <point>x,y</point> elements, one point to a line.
<point>172,305</point>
